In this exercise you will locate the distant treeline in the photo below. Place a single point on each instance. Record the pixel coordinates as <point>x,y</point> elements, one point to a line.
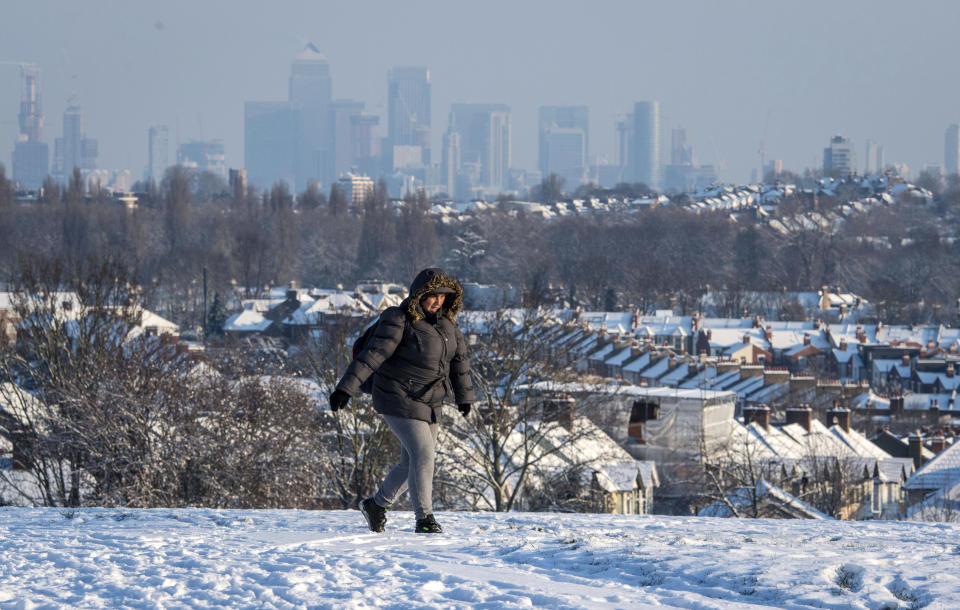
<point>902,257</point>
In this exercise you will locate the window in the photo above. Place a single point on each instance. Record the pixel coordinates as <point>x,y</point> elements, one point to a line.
<point>876,504</point>
<point>644,410</point>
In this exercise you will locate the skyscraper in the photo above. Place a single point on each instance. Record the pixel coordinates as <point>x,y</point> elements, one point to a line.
<point>563,142</point>
<point>71,135</point>
<point>840,158</point>
<point>645,161</point>
<point>293,141</point>
<point>272,139</point>
<point>680,152</point>
<point>624,127</point>
<point>484,140</point>
<point>204,156</point>
<point>311,89</point>
<point>951,150</point>
<point>342,113</point>
<point>874,160</point>
<point>451,162</point>
<point>408,109</point>
<point>365,142</point>
<point>31,156</point>
<point>158,146</point>
<point>73,149</point>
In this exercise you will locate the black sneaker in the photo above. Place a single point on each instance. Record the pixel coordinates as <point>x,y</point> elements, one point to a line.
<point>428,525</point>
<point>375,514</point>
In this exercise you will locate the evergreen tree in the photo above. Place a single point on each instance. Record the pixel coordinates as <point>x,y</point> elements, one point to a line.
<point>216,317</point>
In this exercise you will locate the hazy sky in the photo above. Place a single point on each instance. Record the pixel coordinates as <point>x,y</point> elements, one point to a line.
<point>727,71</point>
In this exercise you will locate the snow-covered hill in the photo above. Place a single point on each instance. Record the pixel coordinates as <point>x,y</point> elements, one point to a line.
<point>303,559</point>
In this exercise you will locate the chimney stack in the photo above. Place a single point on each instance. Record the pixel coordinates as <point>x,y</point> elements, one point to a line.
<point>560,410</point>
<point>896,404</point>
<point>800,414</point>
<point>806,338</point>
<point>757,413</point>
<point>916,449</point>
<point>841,415</point>
<point>937,443</point>
<point>905,359</point>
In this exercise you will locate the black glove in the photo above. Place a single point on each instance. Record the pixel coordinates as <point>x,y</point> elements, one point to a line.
<point>338,400</point>
<point>464,408</point>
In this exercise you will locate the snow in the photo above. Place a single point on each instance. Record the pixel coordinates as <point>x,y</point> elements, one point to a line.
<point>158,558</point>
<point>248,320</point>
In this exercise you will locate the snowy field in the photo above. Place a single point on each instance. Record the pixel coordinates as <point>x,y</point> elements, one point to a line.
<point>162,558</point>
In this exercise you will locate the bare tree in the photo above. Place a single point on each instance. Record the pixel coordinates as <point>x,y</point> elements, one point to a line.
<point>357,445</point>
<point>493,458</point>
<point>103,413</point>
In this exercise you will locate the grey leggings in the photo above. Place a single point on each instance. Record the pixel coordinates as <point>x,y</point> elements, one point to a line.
<point>418,442</point>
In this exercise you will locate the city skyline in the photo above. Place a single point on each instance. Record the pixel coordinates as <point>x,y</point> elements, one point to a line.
<point>788,80</point>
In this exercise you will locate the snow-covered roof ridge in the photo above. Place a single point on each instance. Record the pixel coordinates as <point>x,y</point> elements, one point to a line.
<point>940,472</point>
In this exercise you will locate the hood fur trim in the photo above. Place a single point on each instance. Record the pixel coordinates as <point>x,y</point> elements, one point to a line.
<point>451,306</point>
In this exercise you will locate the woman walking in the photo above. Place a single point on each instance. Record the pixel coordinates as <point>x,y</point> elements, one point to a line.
<point>417,357</point>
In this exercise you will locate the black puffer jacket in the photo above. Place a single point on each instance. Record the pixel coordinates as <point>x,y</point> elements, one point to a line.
<point>418,361</point>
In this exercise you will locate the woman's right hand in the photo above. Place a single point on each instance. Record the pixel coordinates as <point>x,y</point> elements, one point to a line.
<point>338,400</point>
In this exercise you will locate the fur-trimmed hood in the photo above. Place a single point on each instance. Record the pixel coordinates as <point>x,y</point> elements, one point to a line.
<point>431,280</point>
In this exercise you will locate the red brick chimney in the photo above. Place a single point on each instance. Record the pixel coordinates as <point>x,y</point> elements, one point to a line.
<point>937,443</point>
<point>905,360</point>
<point>950,369</point>
<point>757,413</point>
<point>806,338</point>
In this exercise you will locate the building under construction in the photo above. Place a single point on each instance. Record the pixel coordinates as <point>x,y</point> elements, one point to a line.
<point>31,156</point>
